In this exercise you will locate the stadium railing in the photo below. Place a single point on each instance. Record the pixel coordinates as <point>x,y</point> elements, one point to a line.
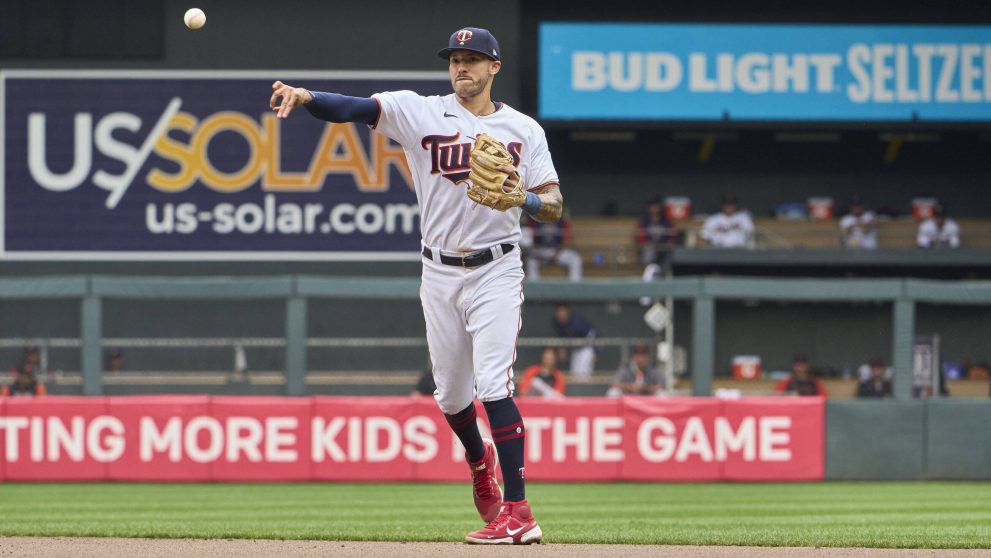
<point>295,291</point>
<point>241,368</point>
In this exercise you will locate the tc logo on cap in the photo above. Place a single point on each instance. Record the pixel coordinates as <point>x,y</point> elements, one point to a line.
<point>474,39</point>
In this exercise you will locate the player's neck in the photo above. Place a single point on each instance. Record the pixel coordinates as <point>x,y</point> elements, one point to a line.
<point>479,105</point>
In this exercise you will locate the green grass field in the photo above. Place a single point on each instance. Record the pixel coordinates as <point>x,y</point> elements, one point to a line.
<point>924,515</point>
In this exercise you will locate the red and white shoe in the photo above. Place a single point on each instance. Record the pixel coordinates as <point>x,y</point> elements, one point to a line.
<point>485,488</point>
<point>514,525</point>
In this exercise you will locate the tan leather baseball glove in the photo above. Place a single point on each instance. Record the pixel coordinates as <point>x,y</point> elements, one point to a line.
<point>487,180</point>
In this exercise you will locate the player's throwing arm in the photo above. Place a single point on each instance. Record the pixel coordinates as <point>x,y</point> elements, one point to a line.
<point>292,97</point>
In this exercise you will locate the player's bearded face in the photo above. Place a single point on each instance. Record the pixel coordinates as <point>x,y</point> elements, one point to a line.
<point>471,73</point>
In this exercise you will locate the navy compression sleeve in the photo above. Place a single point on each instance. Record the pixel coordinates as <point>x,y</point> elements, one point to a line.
<point>333,107</point>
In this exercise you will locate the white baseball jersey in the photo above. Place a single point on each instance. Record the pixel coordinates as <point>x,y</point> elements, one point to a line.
<point>728,231</point>
<point>931,235</point>
<point>437,134</point>
<point>858,231</point>
<point>473,315</point>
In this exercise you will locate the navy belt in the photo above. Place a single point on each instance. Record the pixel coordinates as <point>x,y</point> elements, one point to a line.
<point>474,259</point>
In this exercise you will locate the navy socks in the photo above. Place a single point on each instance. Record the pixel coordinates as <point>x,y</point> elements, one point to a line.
<point>464,426</point>
<point>508,434</point>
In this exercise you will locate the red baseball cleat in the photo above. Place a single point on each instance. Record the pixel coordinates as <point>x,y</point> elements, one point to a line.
<point>515,525</point>
<point>485,488</point>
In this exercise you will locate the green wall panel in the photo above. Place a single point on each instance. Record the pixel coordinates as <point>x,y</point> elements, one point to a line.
<point>958,439</point>
<point>875,440</point>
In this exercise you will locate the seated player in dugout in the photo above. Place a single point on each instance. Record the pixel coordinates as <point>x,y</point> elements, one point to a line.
<point>638,375</point>
<point>553,244</point>
<point>731,227</point>
<point>655,235</point>
<point>801,381</point>
<point>25,384</point>
<point>878,383</point>
<point>472,281</point>
<point>30,355</point>
<point>939,231</point>
<point>858,228</point>
<point>544,379</point>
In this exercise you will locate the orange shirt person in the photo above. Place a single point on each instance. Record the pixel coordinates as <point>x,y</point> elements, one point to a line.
<point>544,379</point>
<point>25,383</point>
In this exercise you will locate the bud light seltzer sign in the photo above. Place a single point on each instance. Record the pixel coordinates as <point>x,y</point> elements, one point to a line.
<point>195,165</point>
<point>810,73</point>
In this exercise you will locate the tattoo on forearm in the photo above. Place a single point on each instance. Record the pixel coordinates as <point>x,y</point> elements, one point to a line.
<point>549,213</point>
<point>551,205</point>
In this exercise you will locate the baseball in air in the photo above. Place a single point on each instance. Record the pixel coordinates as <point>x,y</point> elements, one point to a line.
<point>194,18</point>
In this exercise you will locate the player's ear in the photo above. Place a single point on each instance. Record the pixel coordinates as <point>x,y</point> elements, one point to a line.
<point>494,67</point>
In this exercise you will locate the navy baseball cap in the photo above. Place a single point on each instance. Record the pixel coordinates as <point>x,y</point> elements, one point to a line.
<point>474,39</point>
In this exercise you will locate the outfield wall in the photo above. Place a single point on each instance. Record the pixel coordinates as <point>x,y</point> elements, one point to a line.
<point>204,438</point>
<point>207,438</point>
<point>908,440</point>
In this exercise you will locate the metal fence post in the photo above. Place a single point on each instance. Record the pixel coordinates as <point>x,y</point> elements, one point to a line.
<point>296,345</point>
<point>703,344</point>
<point>91,331</point>
<point>903,328</point>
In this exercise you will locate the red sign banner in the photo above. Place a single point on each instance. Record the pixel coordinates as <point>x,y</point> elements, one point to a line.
<point>207,438</point>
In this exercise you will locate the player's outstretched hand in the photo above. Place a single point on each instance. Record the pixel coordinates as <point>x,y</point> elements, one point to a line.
<point>292,97</point>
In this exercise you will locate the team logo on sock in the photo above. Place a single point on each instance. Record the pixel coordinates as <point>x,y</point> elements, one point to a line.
<point>522,472</point>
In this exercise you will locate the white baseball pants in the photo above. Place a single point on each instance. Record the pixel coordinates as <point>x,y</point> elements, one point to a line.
<point>473,318</point>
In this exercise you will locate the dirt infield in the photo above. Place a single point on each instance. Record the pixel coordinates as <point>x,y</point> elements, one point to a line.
<point>156,548</point>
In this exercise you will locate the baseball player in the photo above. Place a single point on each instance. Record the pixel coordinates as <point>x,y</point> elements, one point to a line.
<point>476,164</point>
